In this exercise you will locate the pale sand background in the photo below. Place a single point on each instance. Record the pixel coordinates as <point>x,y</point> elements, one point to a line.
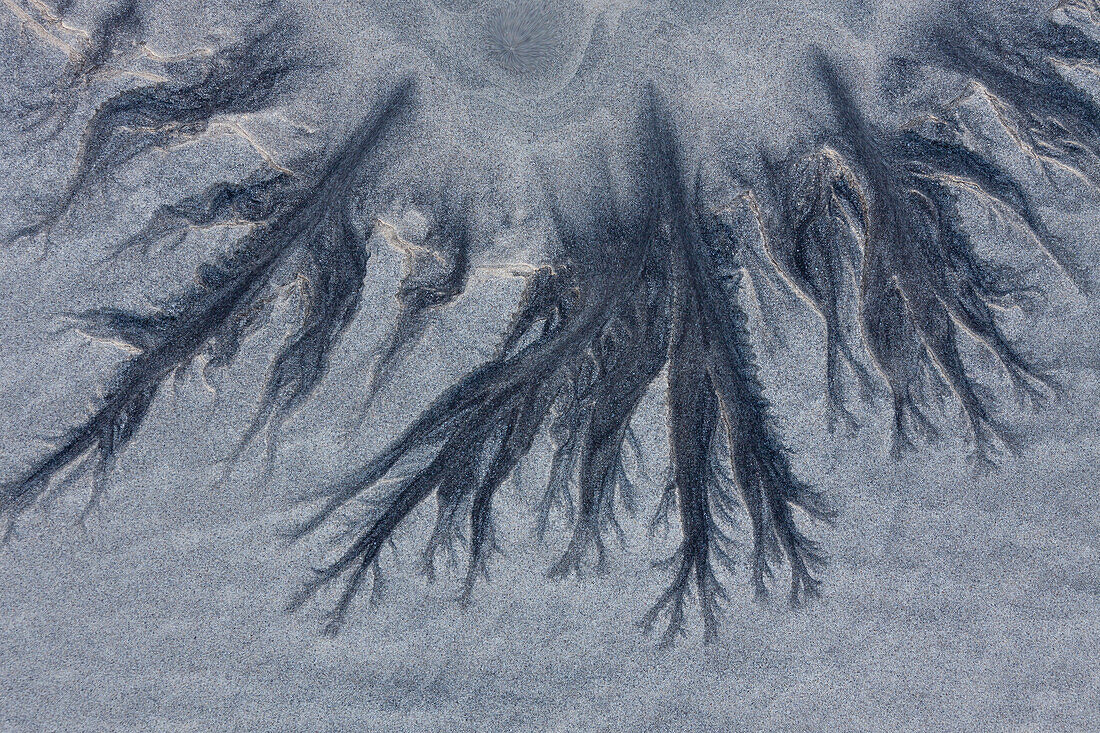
<point>953,602</point>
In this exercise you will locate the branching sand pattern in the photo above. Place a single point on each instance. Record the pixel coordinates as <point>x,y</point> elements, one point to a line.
<point>860,213</point>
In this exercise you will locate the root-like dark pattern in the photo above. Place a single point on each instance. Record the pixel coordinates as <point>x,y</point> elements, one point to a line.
<point>244,77</point>
<point>867,220</point>
<point>311,237</point>
<point>922,279</point>
<point>437,274</point>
